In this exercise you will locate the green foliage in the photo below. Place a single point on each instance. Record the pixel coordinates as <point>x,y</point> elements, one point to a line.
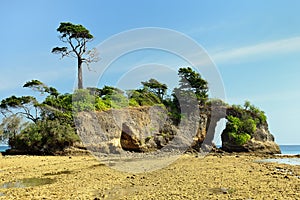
<point>70,30</point>
<point>243,125</point>
<point>133,103</point>
<point>46,136</point>
<point>17,102</point>
<point>248,126</point>
<point>83,101</point>
<point>251,111</point>
<point>192,81</point>
<point>216,102</point>
<point>101,105</point>
<point>94,91</point>
<point>247,105</point>
<point>156,87</point>
<point>143,97</point>
<point>116,100</point>
<point>41,87</point>
<point>107,91</point>
<point>52,130</point>
<point>108,97</point>
<point>239,139</point>
<point>34,84</point>
<point>59,107</point>
<point>239,130</point>
<point>21,105</point>
<point>233,124</point>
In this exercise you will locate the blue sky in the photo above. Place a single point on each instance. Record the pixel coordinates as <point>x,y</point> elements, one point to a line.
<point>255,45</point>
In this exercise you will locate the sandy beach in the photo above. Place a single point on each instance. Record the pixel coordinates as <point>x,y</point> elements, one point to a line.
<point>232,176</point>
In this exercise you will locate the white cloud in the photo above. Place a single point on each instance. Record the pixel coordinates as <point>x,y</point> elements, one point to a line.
<point>257,50</point>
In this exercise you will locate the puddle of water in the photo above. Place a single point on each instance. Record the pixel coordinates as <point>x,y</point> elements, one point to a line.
<point>289,161</point>
<point>27,182</point>
<point>97,165</point>
<point>58,173</point>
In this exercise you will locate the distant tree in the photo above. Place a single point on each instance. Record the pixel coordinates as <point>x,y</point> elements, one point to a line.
<point>77,37</point>
<point>142,97</point>
<point>41,87</point>
<point>192,82</point>
<point>25,105</point>
<point>156,87</point>
<point>107,91</point>
<point>247,105</point>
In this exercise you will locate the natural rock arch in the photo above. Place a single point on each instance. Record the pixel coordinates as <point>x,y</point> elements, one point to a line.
<point>262,141</point>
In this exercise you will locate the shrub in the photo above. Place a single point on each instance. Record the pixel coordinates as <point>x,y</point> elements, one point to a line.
<point>46,137</point>
<point>83,101</point>
<point>240,130</point>
<point>216,102</point>
<point>248,125</point>
<point>143,97</point>
<point>101,105</point>
<point>233,124</point>
<point>239,138</point>
<point>116,100</point>
<point>133,103</point>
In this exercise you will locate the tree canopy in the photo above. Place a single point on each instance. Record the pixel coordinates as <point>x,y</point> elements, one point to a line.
<point>77,37</point>
<point>41,87</point>
<point>156,87</point>
<point>20,105</point>
<point>192,81</point>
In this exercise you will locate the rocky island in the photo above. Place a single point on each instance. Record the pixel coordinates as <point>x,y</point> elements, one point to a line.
<point>144,120</point>
<point>145,129</point>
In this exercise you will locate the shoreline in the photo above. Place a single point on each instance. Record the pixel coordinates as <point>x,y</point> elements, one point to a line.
<point>215,176</point>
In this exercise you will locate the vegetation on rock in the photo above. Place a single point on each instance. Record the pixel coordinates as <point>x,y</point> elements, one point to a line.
<point>242,123</point>
<point>48,126</point>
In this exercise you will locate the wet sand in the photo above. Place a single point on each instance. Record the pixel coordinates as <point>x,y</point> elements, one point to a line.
<point>189,177</point>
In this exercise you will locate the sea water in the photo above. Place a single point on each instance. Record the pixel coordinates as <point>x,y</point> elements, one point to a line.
<point>289,161</point>
<point>287,150</point>
<point>290,149</point>
<point>3,148</point>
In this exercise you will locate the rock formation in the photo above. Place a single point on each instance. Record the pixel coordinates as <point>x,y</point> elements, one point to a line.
<point>133,129</point>
<point>262,141</point>
<point>142,129</point>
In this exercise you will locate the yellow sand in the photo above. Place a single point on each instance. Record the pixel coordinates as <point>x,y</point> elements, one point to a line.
<point>211,177</point>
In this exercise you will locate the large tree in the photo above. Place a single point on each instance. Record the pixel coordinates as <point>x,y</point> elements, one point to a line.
<point>192,81</point>
<point>156,87</point>
<point>77,37</point>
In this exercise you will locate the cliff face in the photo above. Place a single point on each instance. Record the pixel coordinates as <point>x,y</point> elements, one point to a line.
<point>145,129</point>
<point>133,129</point>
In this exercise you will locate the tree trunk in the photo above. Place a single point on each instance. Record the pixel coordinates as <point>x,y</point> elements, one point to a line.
<point>80,82</point>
